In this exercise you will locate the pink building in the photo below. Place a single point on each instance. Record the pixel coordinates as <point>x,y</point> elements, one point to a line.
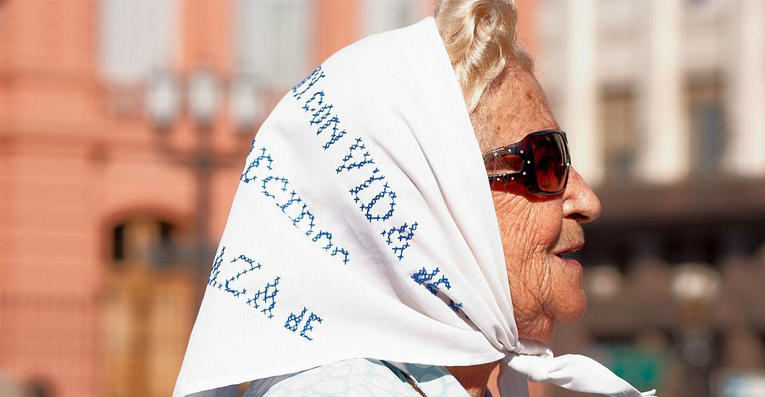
<point>123,128</point>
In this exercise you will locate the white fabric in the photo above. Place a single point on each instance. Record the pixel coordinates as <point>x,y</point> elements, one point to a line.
<point>396,255</point>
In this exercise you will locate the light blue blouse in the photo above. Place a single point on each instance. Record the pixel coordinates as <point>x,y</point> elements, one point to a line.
<point>361,377</point>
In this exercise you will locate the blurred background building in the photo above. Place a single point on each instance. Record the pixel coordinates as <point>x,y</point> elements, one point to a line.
<point>123,128</point>
<point>124,125</point>
<point>665,101</point>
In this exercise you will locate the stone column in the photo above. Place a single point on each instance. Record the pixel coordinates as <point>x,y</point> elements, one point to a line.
<point>745,149</point>
<point>663,150</point>
<point>580,91</point>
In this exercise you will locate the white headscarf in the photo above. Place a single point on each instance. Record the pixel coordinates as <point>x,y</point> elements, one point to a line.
<point>363,226</point>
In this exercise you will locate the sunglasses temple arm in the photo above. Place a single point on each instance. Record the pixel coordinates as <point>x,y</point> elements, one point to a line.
<point>506,178</point>
<point>508,150</point>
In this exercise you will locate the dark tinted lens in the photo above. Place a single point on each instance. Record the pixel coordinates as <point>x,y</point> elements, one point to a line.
<point>549,162</point>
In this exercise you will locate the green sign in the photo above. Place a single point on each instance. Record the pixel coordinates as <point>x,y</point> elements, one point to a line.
<point>641,367</point>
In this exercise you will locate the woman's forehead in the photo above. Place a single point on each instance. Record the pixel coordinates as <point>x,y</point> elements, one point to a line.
<point>518,106</point>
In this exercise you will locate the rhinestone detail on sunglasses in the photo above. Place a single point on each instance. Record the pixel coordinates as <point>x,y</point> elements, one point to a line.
<point>540,162</point>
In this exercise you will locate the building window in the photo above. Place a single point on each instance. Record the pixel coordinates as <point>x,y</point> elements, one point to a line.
<point>380,16</point>
<point>271,40</point>
<point>617,129</point>
<point>147,242</point>
<point>136,38</point>
<point>707,123</point>
<point>118,243</point>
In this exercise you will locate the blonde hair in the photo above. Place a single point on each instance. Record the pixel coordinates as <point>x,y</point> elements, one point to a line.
<point>480,38</point>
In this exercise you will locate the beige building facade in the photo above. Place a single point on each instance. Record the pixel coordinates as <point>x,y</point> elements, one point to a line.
<point>663,103</point>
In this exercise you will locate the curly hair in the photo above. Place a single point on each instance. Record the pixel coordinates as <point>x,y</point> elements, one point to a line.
<point>480,38</point>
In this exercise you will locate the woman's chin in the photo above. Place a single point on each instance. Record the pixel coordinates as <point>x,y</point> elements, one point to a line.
<point>573,310</point>
<point>568,301</point>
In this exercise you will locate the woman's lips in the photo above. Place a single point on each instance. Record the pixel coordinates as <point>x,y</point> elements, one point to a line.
<point>568,250</point>
<point>572,262</point>
<point>568,261</point>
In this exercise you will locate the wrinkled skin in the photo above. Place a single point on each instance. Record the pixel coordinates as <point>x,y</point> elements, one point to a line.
<point>544,287</point>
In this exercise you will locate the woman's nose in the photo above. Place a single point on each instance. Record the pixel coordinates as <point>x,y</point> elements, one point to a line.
<point>579,201</point>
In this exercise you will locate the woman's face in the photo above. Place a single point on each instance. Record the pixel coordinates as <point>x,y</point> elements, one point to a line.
<point>536,230</point>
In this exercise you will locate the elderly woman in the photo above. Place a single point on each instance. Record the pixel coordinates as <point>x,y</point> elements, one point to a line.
<point>401,227</point>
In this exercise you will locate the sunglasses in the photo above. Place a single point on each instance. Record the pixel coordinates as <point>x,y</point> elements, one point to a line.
<point>540,162</point>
